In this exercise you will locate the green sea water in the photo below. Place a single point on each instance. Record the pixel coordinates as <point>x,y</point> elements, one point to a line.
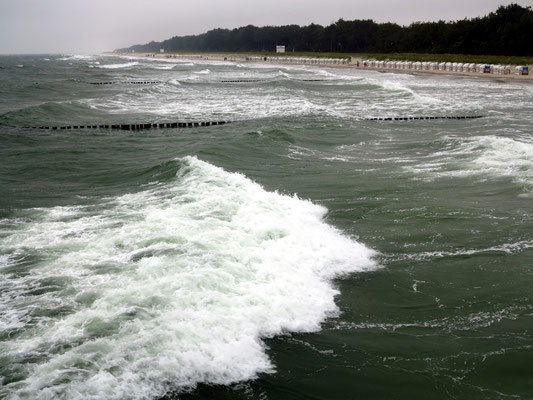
<point>300,252</point>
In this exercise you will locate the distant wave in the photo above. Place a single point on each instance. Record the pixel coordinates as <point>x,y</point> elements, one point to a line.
<point>163,67</point>
<point>482,156</point>
<point>76,57</point>
<point>118,66</point>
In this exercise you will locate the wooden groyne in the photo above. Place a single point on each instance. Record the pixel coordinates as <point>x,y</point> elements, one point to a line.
<point>131,127</point>
<point>423,118</point>
<point>122,82</point>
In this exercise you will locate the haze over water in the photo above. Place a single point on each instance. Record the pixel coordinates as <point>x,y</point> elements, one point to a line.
<point>300,252</point>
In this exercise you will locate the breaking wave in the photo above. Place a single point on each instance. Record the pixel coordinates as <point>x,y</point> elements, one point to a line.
<point>163,289</point>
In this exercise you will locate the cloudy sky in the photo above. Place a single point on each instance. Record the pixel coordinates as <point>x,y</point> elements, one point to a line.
<point>91,26</point>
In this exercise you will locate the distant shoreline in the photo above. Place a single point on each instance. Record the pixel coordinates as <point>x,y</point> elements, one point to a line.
<point>283,60</point>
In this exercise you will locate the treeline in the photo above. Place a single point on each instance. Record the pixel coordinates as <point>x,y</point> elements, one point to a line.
<point>507,31</point>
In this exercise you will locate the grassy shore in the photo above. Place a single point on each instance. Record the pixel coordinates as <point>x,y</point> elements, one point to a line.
<point>463,58</point>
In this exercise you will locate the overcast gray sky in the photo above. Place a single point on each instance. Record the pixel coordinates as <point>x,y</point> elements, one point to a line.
<point>92,26</point>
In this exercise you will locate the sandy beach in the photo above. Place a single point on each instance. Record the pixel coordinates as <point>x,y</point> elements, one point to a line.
<point>244,58</point>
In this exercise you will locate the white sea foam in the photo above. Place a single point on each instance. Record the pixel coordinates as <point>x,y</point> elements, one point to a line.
<point>164,67</point>
<point>239,101</point>
<point>171,286</point>
<point>506,248</point>
<point>391,95</point>
<point>299,152</point>
<point>76,57</point>
<point>231,104</point>
<point>468,322</point>
<point>482,156</point>
<point>392,86</point>
<point>119,66</point>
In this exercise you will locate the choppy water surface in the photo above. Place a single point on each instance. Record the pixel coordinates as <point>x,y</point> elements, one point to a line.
<point>297,253</point>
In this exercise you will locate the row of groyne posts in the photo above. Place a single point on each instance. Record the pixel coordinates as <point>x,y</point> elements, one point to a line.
<point>174,125</point>
<point>446,66</point>
<point>133,127</point>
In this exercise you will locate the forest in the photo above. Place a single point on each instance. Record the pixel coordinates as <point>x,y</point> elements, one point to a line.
<point>507,31</point>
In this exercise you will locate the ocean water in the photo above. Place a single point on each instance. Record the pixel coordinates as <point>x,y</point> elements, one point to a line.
<point>300,252</point>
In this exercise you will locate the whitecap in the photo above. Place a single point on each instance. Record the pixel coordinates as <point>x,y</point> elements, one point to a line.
<point>76,57</point>
<point>164,67</point>
<point>172,286</point>
<point>118,66</point>
<point>481,156</point>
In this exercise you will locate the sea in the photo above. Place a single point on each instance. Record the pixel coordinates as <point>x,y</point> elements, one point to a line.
<point>301,251</point>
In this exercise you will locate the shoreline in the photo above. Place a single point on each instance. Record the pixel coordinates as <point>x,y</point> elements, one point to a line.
<point>236,57</point>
